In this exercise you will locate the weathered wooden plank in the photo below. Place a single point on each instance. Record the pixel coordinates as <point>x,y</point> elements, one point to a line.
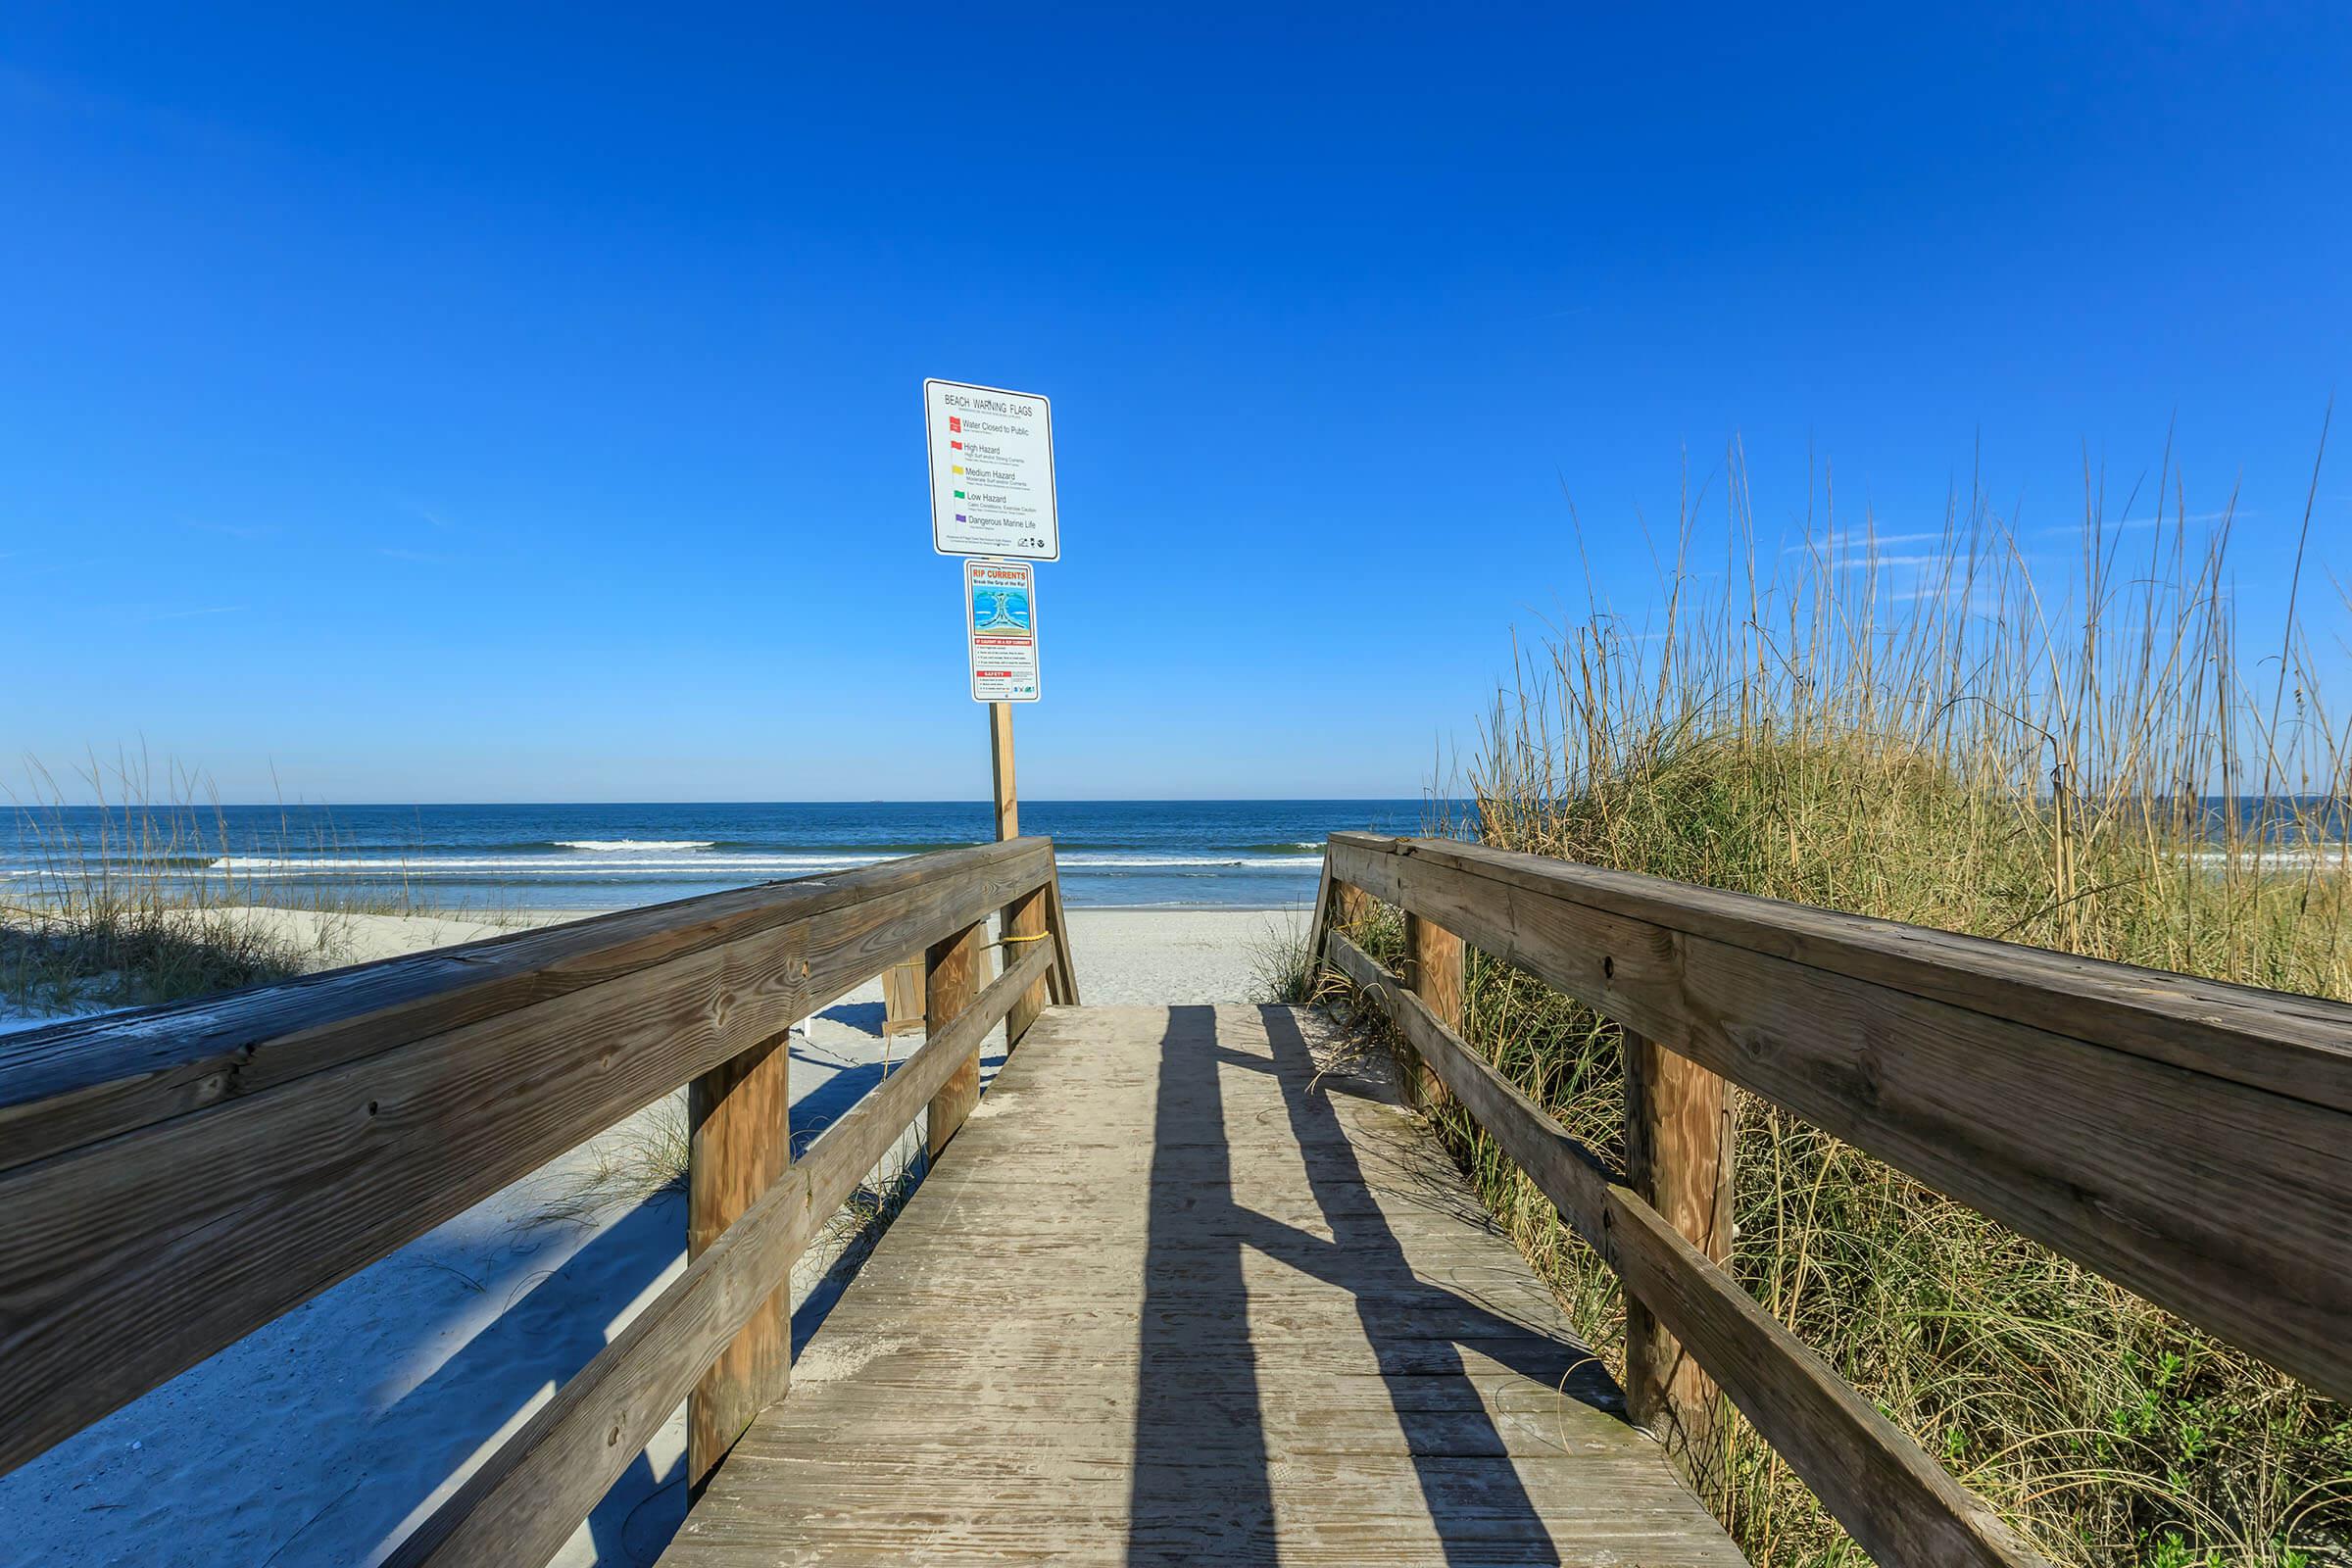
<point>884,1356</point>
<point>950,980</point>
<point>134,1257</point>
<point>1066,973</point>
<point>875,1425</point>
<point>1678,1156</point>
<point>2291,1045</point>
<point>1318,930</point>
<point>1434,964</point>
<point>902,998</point>
<point>1571,1175</point>
<point>528,1497</point>
<point>1895,1501</point>
<point>1023,920</point>
<point>1022,923</point>
<point>1000,772</point>
<point>1898,1503</point>
<point>75,1083</point>
<point>1150,1363</point>
<point>740,1116</point>
<point>2224,1202</point>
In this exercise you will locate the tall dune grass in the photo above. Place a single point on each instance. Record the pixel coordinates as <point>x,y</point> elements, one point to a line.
<point>133,903</point>
<point>1968,743</point>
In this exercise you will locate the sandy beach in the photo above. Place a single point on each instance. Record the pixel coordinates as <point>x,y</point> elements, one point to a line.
<point>324,1437</point>
<point>1121,955</point>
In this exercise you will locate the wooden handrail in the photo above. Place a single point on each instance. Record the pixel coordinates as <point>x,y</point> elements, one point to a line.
<point>2188,1139</point>
<point>2205,1164</point>
<point>526,1501</point>
<point>1898,1503</point>
<point>176,1178</point>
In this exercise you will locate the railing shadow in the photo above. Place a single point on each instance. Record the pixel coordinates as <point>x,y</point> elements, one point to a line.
<point>553,1325</point>
<point>548,1327</point>
<point>1203,1486</point>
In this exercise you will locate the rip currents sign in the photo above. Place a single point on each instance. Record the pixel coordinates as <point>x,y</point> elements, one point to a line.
<point>999,600</point>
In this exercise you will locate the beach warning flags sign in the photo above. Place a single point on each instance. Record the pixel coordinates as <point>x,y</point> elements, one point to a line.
<point>991,472</point>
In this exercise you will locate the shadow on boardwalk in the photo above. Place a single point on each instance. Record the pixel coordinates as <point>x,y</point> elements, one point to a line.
<point>1200,1385</point>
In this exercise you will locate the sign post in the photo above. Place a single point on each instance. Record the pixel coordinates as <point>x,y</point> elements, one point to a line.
<point>999,757</point>
<point>993,501</point>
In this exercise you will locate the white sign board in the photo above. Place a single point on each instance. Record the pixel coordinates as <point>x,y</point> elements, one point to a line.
<point>999,600</point>
<point>991,472</point>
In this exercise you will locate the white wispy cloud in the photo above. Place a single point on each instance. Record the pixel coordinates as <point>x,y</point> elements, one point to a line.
<point>1869,562</point>
<point>1983,598</point>
<point>2074,530</point>
<point>1856,543</point>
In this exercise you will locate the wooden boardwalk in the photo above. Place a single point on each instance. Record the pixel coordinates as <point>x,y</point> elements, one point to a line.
<point>1181,1288</point>
<point>1186,1289</point>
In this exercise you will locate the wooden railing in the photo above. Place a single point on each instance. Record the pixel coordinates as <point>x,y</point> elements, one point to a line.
<point>2187,1139</point>
<point>175,1179</point>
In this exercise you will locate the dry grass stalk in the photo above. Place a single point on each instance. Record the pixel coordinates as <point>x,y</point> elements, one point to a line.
<point>1946,741</point>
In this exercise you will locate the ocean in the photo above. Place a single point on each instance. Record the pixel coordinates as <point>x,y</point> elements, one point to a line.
<point>1131,853</point>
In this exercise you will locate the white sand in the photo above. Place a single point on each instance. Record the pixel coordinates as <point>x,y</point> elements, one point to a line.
<point>1170,956</point>
<point>322,1437</point>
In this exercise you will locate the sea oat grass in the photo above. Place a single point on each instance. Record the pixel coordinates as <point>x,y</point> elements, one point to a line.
<point>133,901</point>
<point>1957,746</point>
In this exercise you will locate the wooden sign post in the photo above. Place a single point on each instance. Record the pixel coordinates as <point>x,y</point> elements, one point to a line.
<point>991,457</point>
<point>1024,918</point>
<point>1000,760</point>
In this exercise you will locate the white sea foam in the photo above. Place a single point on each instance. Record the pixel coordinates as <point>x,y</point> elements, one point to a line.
<point>653,861</point>
<point>2276,858</point>
<point>533,866</point>
<point>625,846</point>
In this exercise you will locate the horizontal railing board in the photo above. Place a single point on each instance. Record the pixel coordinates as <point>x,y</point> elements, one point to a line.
<point>135,1258</point>
<point>2228,1203</point>
<point>1572,1175</point>
<point>1898,1503</point>
<point>529,1497</point>
<point>75,1083</point>
<point>2296,1046</point>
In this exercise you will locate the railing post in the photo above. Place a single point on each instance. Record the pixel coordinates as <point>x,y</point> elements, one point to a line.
<point>1318,926</point>
<point>1677,1155</point>
<point>1023,920</point>
<point>1022,923</point>
<point>1062,977</point>
<point>739,1116</point>
<point>1433,967</point>
<point>950,981</point>
<point>1338,905</point>
<point>902,998</point>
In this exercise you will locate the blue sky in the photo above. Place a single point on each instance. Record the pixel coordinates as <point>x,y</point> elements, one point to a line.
<point>465,404</point>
